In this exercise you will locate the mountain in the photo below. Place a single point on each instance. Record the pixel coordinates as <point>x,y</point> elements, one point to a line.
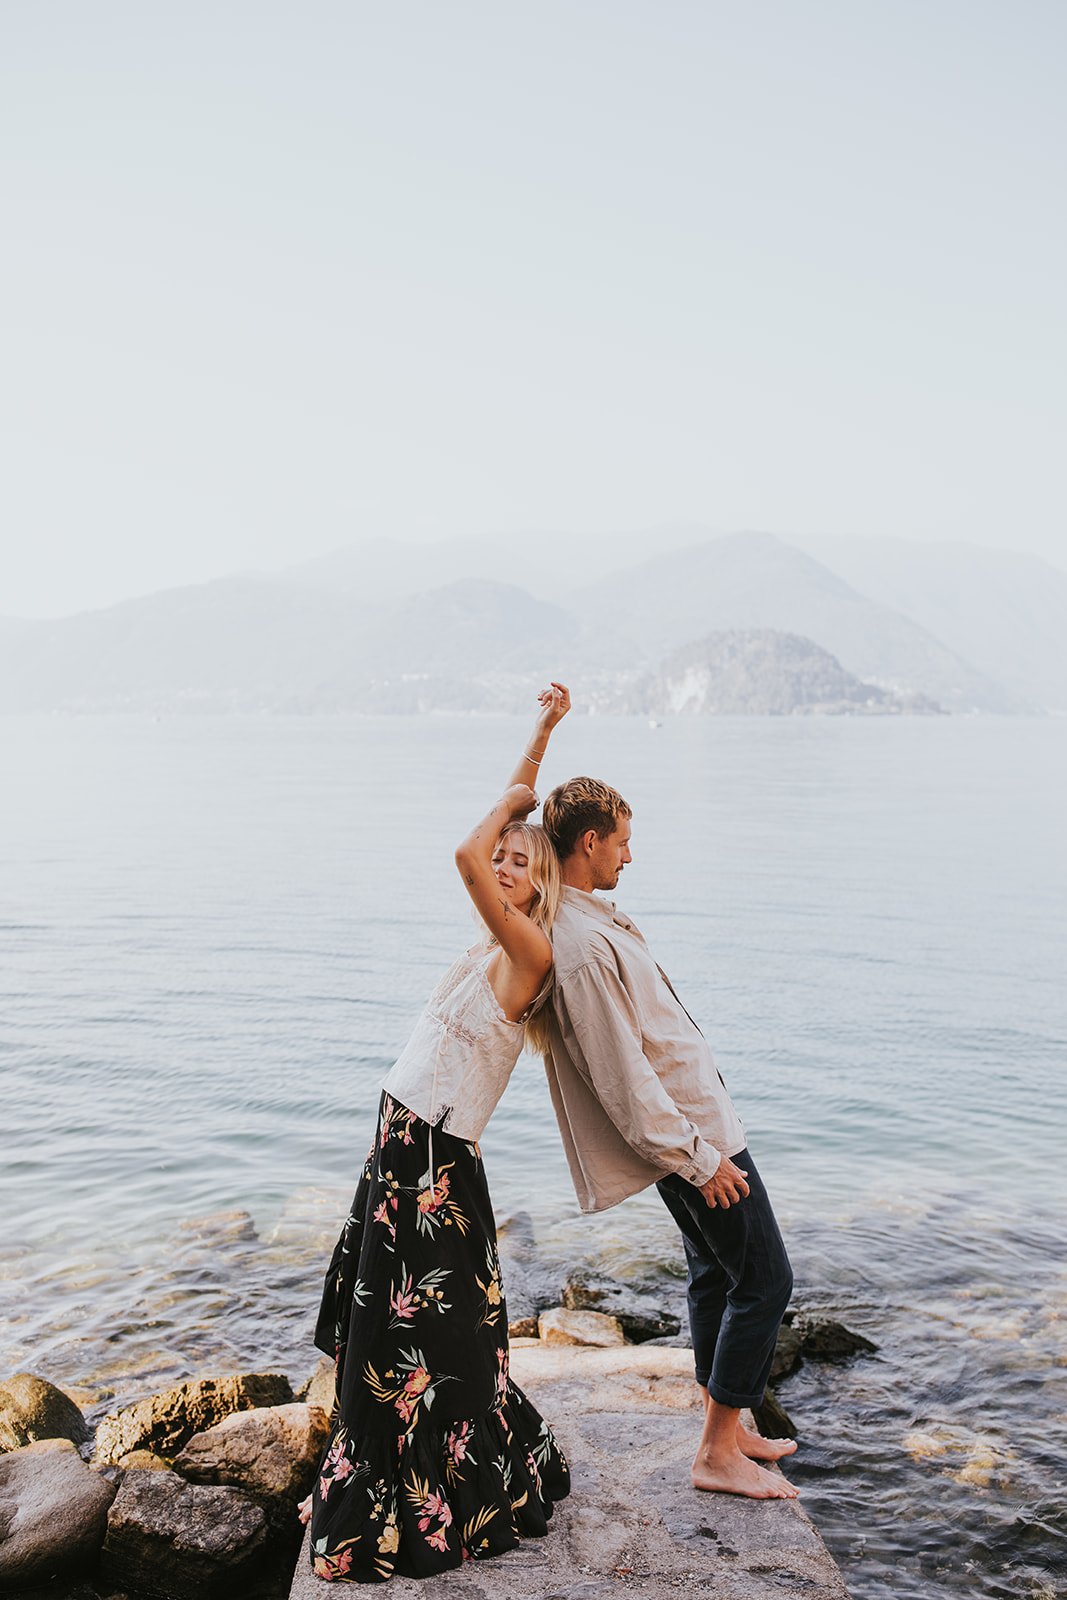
<point>325,636</point>
<point>237,644</point>
<point>251,643</point>
<point>759,672</point>
<point>1002,610</point>
<point>755,580</point>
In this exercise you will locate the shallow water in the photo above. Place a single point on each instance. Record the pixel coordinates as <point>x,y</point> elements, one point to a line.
<point>217,931</point>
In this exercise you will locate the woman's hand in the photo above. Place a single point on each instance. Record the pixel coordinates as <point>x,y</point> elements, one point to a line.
<point>520,801</point>
<point>555,702</point>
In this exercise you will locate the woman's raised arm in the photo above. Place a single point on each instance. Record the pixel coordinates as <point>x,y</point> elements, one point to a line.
<point>555,702</point>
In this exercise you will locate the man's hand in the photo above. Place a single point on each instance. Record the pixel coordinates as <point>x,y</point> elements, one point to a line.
<point>727,1187</point>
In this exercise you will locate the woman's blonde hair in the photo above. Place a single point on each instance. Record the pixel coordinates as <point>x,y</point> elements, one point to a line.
<point>547,884</point>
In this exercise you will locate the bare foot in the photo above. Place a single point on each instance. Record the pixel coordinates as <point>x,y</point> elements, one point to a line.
<point>757,1448</point>
<point>303,1510</point>
<point>736,1474</point>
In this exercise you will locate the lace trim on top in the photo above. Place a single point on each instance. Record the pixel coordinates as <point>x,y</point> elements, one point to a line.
<point>464,1018</point>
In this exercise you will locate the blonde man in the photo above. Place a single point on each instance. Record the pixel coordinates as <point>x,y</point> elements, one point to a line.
<point>639,1101</point>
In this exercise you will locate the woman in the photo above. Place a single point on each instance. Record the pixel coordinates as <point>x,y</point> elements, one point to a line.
<point>435,1455</point>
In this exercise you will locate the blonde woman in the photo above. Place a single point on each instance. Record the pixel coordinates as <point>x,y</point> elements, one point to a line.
<point>435,1455</point>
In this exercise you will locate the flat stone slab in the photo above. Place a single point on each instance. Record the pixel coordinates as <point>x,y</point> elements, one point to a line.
<point>629,1418</point>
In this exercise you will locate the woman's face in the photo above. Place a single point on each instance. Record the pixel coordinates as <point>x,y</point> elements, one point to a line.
<point>512,867</point>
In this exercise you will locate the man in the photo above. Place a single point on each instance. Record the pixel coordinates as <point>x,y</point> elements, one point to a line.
<point>639,1101</point>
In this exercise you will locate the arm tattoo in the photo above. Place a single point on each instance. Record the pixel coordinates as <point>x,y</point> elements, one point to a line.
<point>470,881</point>
<point>507,909</point>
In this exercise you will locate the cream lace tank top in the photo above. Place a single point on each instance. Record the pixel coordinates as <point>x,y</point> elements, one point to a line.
<point>457,1062</point>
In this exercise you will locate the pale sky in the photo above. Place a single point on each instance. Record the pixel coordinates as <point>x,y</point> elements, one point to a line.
<point>276,278</point>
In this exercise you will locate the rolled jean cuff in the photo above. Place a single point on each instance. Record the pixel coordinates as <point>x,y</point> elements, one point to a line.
<point>726,1397</point>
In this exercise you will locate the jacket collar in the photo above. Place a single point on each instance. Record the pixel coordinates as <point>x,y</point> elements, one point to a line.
<point>593,905</point>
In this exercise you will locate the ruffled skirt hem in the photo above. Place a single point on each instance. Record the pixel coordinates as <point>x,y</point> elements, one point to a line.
<point>422,1503</point>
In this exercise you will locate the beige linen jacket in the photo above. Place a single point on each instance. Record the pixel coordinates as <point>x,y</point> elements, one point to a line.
<point>634,1086</point>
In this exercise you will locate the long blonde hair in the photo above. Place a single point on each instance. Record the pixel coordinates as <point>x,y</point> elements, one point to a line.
<point>547,884</point>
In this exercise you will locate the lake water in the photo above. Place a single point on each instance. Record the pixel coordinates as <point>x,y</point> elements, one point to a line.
<point>217,931</point>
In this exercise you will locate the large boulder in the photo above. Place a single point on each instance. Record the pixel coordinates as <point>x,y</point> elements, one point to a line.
<point>31,1408</point>
<point>173,1540</point>
<point>53,1512</point>
<point>272,1452</point>
<point>563,1326</point>
<point>165,1422</point>
<point>641,1316</point>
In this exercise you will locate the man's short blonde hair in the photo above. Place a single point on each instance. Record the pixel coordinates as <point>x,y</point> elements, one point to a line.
<point>575,807</point>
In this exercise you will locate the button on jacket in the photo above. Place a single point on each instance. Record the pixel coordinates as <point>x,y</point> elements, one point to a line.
<point>634,1086</point>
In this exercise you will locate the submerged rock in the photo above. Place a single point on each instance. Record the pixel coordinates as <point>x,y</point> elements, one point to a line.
<point>31,1408</point>
<point>642,1318</point>
<point>165,1422</point>
<point>823,1339</point>
<point>273,1452</point>
<point>173,1540</point>
<point>53,1512</point>
<point>563,1326</point>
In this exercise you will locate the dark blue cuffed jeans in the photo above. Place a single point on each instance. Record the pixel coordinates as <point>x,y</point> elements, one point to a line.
<point>740,1281</point>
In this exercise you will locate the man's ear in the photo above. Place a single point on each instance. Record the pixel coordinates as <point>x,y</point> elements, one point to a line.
<point>589,841</point>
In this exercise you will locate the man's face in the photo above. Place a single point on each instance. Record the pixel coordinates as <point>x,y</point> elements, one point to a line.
<point>610,855</point>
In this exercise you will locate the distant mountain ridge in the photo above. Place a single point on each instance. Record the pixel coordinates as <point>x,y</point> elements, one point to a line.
<point>364,630</point>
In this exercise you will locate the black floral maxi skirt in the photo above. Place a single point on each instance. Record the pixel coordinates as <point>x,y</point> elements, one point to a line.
<point>435,1456</point>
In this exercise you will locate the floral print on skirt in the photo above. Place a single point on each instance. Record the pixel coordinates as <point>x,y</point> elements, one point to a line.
<point>435,1455</point>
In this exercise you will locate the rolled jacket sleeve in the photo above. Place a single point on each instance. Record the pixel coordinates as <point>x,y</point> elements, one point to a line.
<point>596,1008</point>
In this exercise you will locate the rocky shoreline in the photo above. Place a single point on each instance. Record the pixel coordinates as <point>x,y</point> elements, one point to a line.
<point>192,1492</point>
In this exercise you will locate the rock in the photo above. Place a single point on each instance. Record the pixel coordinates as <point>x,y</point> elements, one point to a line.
<point>273,1452</point>
<point>563,1326</point>
<point>529,1288</point>
<point>640,1316</point>
<point>173,1540</point>
<point>165,1422</point>
<point>221,1228</point>
<point>53,1512</point>
<point>522,1327</point>
<point>771,1418</point>
<point>31,1408</point>
<point>822,1339</point>
<point>787,1352</point>
<point>135,1458</point>
<point>515,1233</point>
<point>320,1389</point>
<point>673,1341</point>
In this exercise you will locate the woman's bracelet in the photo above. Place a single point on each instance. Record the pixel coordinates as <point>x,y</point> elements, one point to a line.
<point>535,760</point>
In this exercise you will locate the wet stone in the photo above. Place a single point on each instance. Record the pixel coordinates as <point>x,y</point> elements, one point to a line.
<point>640,1316</point>
<point>787,1352</point>
<point>823,1339</point>
<point>772,1419</point>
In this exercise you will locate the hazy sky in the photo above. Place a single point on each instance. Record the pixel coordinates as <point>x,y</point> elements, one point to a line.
<point>278,277</point>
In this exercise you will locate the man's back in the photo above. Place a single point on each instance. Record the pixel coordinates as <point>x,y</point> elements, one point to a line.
<point>632,1078</point>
